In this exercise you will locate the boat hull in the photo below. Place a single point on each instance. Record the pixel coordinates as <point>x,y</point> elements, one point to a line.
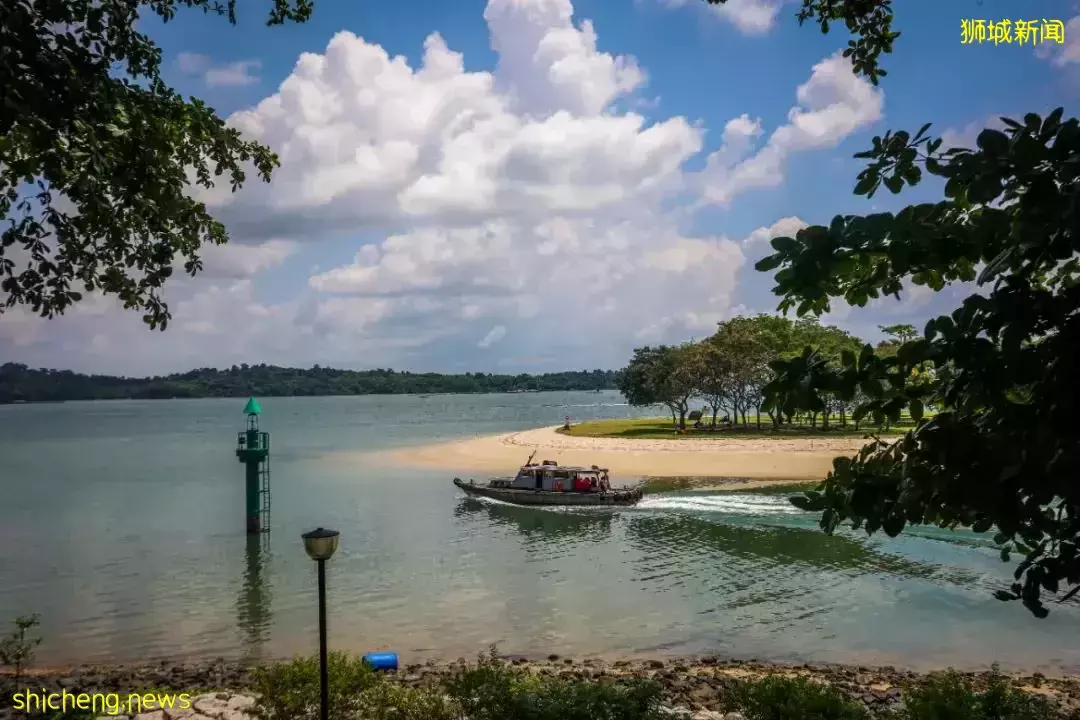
<point>522,496</point>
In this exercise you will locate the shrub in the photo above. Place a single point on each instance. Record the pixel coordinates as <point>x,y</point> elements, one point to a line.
<point>387,701</point>
<point>290,691</point>
<point>785,698</point>
<point>948,695</point>
<point>16,650</point>
<point>494,690</point>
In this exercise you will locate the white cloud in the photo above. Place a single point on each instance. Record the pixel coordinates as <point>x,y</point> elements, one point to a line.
<point>521,210</point>
<point>366,140</point>
<point>244,261</point>
<point>965,137</point>
<point>833,104</point>
<point>234,74</point>
<point>750,17</point>
<point>1066,53</point>
<point>494,335</point>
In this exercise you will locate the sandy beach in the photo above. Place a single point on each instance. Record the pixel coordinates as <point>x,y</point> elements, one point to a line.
<point>735,458</point>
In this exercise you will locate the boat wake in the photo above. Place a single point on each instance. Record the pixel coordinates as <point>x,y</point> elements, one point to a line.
<point>726,504</point>
<point>722,504</point>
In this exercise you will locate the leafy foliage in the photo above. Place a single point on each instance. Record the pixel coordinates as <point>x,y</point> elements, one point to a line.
<point>776,697</point>
<point>662,375</point>
<point>494,690</point>
<point>949,695</point>
<point>489,690</point>
<point>17,650</point>
<point>870,21</point>
<point>20,383</point>
<point>730,369</point>
<point>1004,453</point>
<point>290,690</point>
<point>97,154</point>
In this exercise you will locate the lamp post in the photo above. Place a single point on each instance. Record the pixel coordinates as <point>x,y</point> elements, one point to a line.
<point>320,545</point>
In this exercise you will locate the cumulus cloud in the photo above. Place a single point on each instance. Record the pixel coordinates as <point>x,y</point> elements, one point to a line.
<point>366,140</point>
<point>750,17</point>
<point>832,104</point>
<point>522,211</point>
<point>234,74</point>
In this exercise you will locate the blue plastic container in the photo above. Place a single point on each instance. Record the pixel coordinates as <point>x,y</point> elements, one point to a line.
<point>382,661</point>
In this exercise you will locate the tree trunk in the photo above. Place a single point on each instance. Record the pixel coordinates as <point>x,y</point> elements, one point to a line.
<point>682,418</point>
<point>715,410</point>
<point>825,419</point>
<point>759,418</point>
<point>673,422</point>
<point>843,418</point>
<point>813,420</point>
<point>775,420</point>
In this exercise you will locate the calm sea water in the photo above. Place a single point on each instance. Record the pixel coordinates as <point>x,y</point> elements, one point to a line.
<point>121,523</point>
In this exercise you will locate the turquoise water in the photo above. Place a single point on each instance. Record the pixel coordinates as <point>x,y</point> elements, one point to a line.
<point>121,523</point>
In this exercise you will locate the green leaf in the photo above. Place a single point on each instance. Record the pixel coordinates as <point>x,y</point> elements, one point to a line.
<point>895,183</point>
<point>915,407</point>
<point>993,142</point>
<point>866,183</point>
<point>768,263</point>
<point>784,244</point>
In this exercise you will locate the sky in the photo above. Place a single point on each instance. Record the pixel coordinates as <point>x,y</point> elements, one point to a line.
<point>537,185</point>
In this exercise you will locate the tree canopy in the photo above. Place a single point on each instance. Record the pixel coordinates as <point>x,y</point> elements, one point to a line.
<point>729,369</point>
<point>1003,452</point>
<point>97,154</point>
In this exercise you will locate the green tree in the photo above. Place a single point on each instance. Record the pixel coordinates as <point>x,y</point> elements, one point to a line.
<point>713,371</point>
<point>663,375</point>
<point>96,152</point>
<point>1004,451</point>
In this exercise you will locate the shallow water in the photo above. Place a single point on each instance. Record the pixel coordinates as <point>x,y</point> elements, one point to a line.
<point>122,524</point>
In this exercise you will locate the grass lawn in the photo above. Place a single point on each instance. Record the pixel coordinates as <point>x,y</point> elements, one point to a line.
<point>661,428</point>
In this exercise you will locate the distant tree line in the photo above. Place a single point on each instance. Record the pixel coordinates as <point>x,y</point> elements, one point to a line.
<point>19,383</point>
<point>730,370</point>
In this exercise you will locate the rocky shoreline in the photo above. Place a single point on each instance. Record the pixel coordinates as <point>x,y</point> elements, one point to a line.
<point>692,687</point>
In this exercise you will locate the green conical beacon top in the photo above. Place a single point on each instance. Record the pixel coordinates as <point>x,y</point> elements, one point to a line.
<point>253,407</point>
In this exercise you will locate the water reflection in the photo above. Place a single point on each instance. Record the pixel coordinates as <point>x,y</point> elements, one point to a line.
<point>253,603</point>
<point>674,539</point>
<point>541,523</point>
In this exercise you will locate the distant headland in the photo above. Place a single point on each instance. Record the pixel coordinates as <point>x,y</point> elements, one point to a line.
<point>22,384</point>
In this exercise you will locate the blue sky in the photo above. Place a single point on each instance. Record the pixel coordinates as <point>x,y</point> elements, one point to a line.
<point>541,201</point>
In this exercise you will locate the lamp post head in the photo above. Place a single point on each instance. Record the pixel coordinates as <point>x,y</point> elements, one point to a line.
<point>320,543</point>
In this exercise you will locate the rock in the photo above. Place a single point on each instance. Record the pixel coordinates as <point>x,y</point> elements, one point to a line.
<point>676,712</point>
<point>707,715</point>
<point>734,716</point>
<point>156,715</point>
<point>241,702</point>
<point>210,705</point>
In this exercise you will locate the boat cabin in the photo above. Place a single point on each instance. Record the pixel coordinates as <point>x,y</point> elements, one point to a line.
<point>551,476</point>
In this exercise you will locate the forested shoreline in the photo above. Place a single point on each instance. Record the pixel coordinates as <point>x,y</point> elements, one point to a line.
<point>20,383</point>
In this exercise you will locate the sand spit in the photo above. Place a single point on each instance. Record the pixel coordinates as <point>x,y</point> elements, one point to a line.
<point>788,459</point>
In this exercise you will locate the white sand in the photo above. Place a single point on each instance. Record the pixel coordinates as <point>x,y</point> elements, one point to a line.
<point>780,459</point>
